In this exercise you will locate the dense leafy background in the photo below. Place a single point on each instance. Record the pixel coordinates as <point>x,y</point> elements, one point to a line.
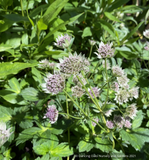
<point>28,30</point>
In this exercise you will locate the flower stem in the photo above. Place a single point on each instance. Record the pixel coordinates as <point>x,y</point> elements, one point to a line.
<point>83,111</point>
<point>90,51</point>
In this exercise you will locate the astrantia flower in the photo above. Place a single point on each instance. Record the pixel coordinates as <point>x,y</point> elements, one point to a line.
<point>119,121</point>
<point>122,96</point>
<point>93,123</point>
<point>4,134</point>
<point>105,50</point>
<point>134,92</point>
<point>147,46</point>
<point>131,111</point>
<point>43,63</point>
<point>63,41</point>
<point>52,65</point>
<point>115,86</point>
<point>77,91</point>
<point>127,124</point>
<point>110,124</point>
<point>53,84</point>
<point>77,82</point>
<point>123,80</point>
<point>52,114</point>
<point>108,113</point>
<point>92,42</point>
<point>146,33</point>
<point>106,65</point>
<point>95,90</point>
<point>74,64</point>
<point>117,71</point>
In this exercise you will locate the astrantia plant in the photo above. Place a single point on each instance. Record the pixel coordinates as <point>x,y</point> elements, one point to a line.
<point>74,80</point>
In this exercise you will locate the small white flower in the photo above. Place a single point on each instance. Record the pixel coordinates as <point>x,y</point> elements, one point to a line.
<point>122,96</point>
<point>51,114</point>
<point>95,90</point>
<point>92,42</point>
<point>4,134</point>
<point>63,41</point>
<point>146,33</point>
<point>134,93</point>
<point>53,84</point>
<point>108,113</point>
<point>131,111</point>
<point>105,51</point>
<point>77,91</point>
<point>123,80</point>
<point>117,71</point>
<point>43,63</point>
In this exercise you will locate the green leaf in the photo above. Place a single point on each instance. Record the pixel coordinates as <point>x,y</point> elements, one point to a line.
<point>136,137</point>
<point>6,25</point>
<point>86,32</point>
<point>4,114</point>
<point>37,75</point>
<point>53,10</point>
<point>62,150</point>
<point>9,96</point>
<point>13,68</point>
<point>104,145</point>
<point>15,17</point>
<point>131,9</point>
<point>145,55</point>
<point>30,94</point>
<point>47,146</point>
<point>85,145</point>
<point>108,27</point>
<point>117,4</point>
<point>48,38</point>
<point>137,120</point>
<point>111,17</point>
<point>27,134</point>
<point>127,53</point>
<point>5,47</point>
<point>14,84</point>
<point>41,25</point>
<point>132,32</point>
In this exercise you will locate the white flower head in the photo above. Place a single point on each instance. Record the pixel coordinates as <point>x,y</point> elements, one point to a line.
<point>53,84</point>
<point>105,51</point>
<point>123,80</point>
<point>108,113</point>
<point>4,134</point>
<point>134,93</point>
<point>122,96</point>
<point>115,86</point>
<point>146,33</point>
<point>51,114</point>
<point>77,91</point>
<point>74,64</point>
<point>131,111</point>
<point>63,41</point>
<point>117,71</point>
<point>43,63</point>
<point>95,91</point>
<point>110,124</point>
<point>92,42</point>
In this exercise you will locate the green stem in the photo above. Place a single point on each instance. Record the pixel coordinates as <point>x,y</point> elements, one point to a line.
<point>83,111</point>
<point>96,103</point>
<point>107,83</point>
<point>22,8</point>
<point>91,51</point>
<point>95,69</point>
<point>71,116</point>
